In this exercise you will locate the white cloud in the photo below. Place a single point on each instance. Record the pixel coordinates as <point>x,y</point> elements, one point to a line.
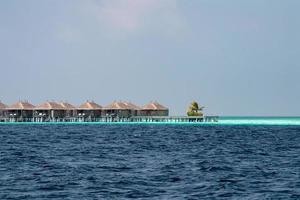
<point>138,15</point>
<point>117,19</point>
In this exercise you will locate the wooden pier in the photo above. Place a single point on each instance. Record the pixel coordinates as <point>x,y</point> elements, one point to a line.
<point>135,119</point>
<point>171,119</point>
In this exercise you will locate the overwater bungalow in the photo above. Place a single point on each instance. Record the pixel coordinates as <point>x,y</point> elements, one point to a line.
<point>154,109</point>
<point>69,109</point>
<point>118,109</point>
<point>23,111</point>
<point>135,110</point>
<point>49,111</point>
<point>20,111</point>
<point>88,111</point>
<point>3,111</point>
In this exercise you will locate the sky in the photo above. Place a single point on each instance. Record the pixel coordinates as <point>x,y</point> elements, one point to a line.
<point>233,57</point>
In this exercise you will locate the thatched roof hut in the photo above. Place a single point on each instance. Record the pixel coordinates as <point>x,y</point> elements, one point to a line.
<point>117,106</point>
<point>135,110</point>
<point>154,106</point>
<point>50,110</point>
<point>3,110</point>
<point>67,106</point>
<point>69,109</point>
<point>49,105</point>
<point>154,109</point>
<point>89,105</point>
<point>89,110</point>
<point>21,110</point>
<point>2,106</point>
<point>21,105</point>
<point>132,106</point>
<point>119,109</point>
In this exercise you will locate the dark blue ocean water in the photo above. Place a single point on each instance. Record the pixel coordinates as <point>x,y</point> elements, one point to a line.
<point>149,162</point>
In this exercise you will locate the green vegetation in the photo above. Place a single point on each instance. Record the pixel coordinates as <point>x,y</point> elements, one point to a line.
<point>195,110</point>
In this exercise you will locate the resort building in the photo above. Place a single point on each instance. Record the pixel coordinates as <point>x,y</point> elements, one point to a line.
<point>49,111</point>
<point>3,111</point>
<point>118,109</point>
<point>154,109</point>
<point>69,109</point>
<point>135,110</point>
<point>88,111</point>
<point>20,111</point>
<point>23,111</point>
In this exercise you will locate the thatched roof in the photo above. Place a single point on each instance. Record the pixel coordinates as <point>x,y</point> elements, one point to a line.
<point>21,105</point>
<point>132,106</point>
<point>89,106</point>
<point>67,106</point>
<point>154,106</point>
<point>117,106</point>
<point>2,106</point>
<point>50,106</point>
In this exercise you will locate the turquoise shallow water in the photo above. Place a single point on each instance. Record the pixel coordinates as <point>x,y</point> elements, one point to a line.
<point>284,121</point>
<point>259,121</point>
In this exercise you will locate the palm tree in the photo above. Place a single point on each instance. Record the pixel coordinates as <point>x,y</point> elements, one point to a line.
<point>195,110</point>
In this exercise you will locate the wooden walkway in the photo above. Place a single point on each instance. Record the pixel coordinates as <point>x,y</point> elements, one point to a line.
<point>175,119</point>
<point>136,119</point>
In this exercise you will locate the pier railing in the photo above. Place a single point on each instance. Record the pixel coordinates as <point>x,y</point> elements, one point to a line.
<point>174,119</point>
<point>163,119</point>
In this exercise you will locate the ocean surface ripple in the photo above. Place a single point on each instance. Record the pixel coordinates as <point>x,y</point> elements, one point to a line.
<point>149,162</point>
